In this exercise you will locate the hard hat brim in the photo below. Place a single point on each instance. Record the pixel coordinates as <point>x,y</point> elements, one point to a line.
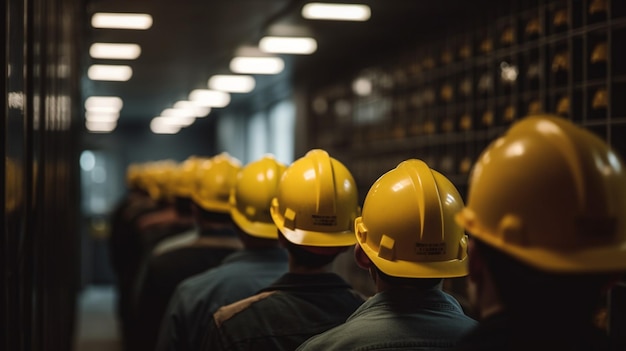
<point>601,259</point>
<point>256,229</point>
<point>311,237</point>
<point>320,239</point>
<point>213,206</point>
<point>411,269</point>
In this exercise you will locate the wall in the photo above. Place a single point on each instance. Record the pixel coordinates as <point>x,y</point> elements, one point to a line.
<point>38,240</point>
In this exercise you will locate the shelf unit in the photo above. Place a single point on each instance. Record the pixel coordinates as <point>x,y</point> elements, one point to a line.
<point>445,101</point>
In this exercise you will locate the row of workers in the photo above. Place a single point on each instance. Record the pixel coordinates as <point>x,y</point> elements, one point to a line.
<point>546,218</point>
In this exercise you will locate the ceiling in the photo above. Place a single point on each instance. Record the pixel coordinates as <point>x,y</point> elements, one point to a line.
<point>192,40</point>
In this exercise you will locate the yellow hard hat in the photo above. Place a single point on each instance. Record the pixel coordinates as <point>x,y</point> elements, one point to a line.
<point>550,194</point>
<point>186,177</point>
<point>165,176</point>
<point>155,177</point>
<point>252,194</point>
<point>216,177</point>
<point>407,228</point>
<point>316,202</point>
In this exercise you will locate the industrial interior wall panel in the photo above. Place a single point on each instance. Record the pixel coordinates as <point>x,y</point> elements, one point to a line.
<point>38,241</point>
<point>445,99</point>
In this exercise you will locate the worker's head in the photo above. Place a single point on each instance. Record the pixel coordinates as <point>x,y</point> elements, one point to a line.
<point>316,204</point>
<point>407,229</point>
<point>550,198</point>
<point>216,177</point>
<point>251,197</point>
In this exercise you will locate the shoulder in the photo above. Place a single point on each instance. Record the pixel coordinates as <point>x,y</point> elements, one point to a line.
<point>227,312</point>
<point>336,338</point>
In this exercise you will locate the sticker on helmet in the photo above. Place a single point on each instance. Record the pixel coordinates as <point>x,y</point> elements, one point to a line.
<point>430,249</point>
<point>324,220</point>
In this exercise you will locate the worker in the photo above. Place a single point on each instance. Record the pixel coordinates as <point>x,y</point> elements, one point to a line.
<point>546,214</point>
<point>126,246</point>
<point>167,220</point>
<point>407,239</point>
<point>217,239</point>
<point>314,209</point>
<point>241,274</point>
<point>183,185</point>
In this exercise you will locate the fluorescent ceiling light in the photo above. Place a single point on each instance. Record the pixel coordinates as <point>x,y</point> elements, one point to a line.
<point>114,51</point>
<point>120,73</point>
<point>174,121</point>
<point>339,12</point>
<point>178,117</point>
<point>178,113</point>
<point>288,45</point>
<point>197,110</point>
<point>232,83</point>
<point>121,20</point>
<point>257,65</point>
<point>104,103</point>
<point>211,98</point>
<point>100,127</point>
<point>97,116</point>
<point>159,125</point>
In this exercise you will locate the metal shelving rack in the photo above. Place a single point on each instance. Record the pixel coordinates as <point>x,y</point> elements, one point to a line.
<point>445,101</point>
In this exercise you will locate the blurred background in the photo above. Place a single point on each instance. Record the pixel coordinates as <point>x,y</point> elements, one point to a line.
<point>87,95</point>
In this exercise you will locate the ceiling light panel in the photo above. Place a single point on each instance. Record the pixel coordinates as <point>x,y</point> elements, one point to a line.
<point>120,73</point>
<point>179,121</point>
<point>337,12</point>
<point>96,116</point>
<point>140,21</point>
<point>160,125</point>
<point>104,103</point>
<point>232,83</point>
<point>178,113</point>
<point>210,98</point>
<point>196,110</point>
<point>257,65</point>
<point>100,127</point>
<point>288,45</point>
<point>114,51</point>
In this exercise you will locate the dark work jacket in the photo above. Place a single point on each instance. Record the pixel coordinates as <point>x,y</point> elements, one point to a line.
<point>161,276</point>
<point>402,319</point>
<point>284,315</point>
<point>537,333</point>
<point>191,308</point>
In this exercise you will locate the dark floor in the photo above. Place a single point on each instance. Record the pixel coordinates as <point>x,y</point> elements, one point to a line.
<point>96,323</point>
